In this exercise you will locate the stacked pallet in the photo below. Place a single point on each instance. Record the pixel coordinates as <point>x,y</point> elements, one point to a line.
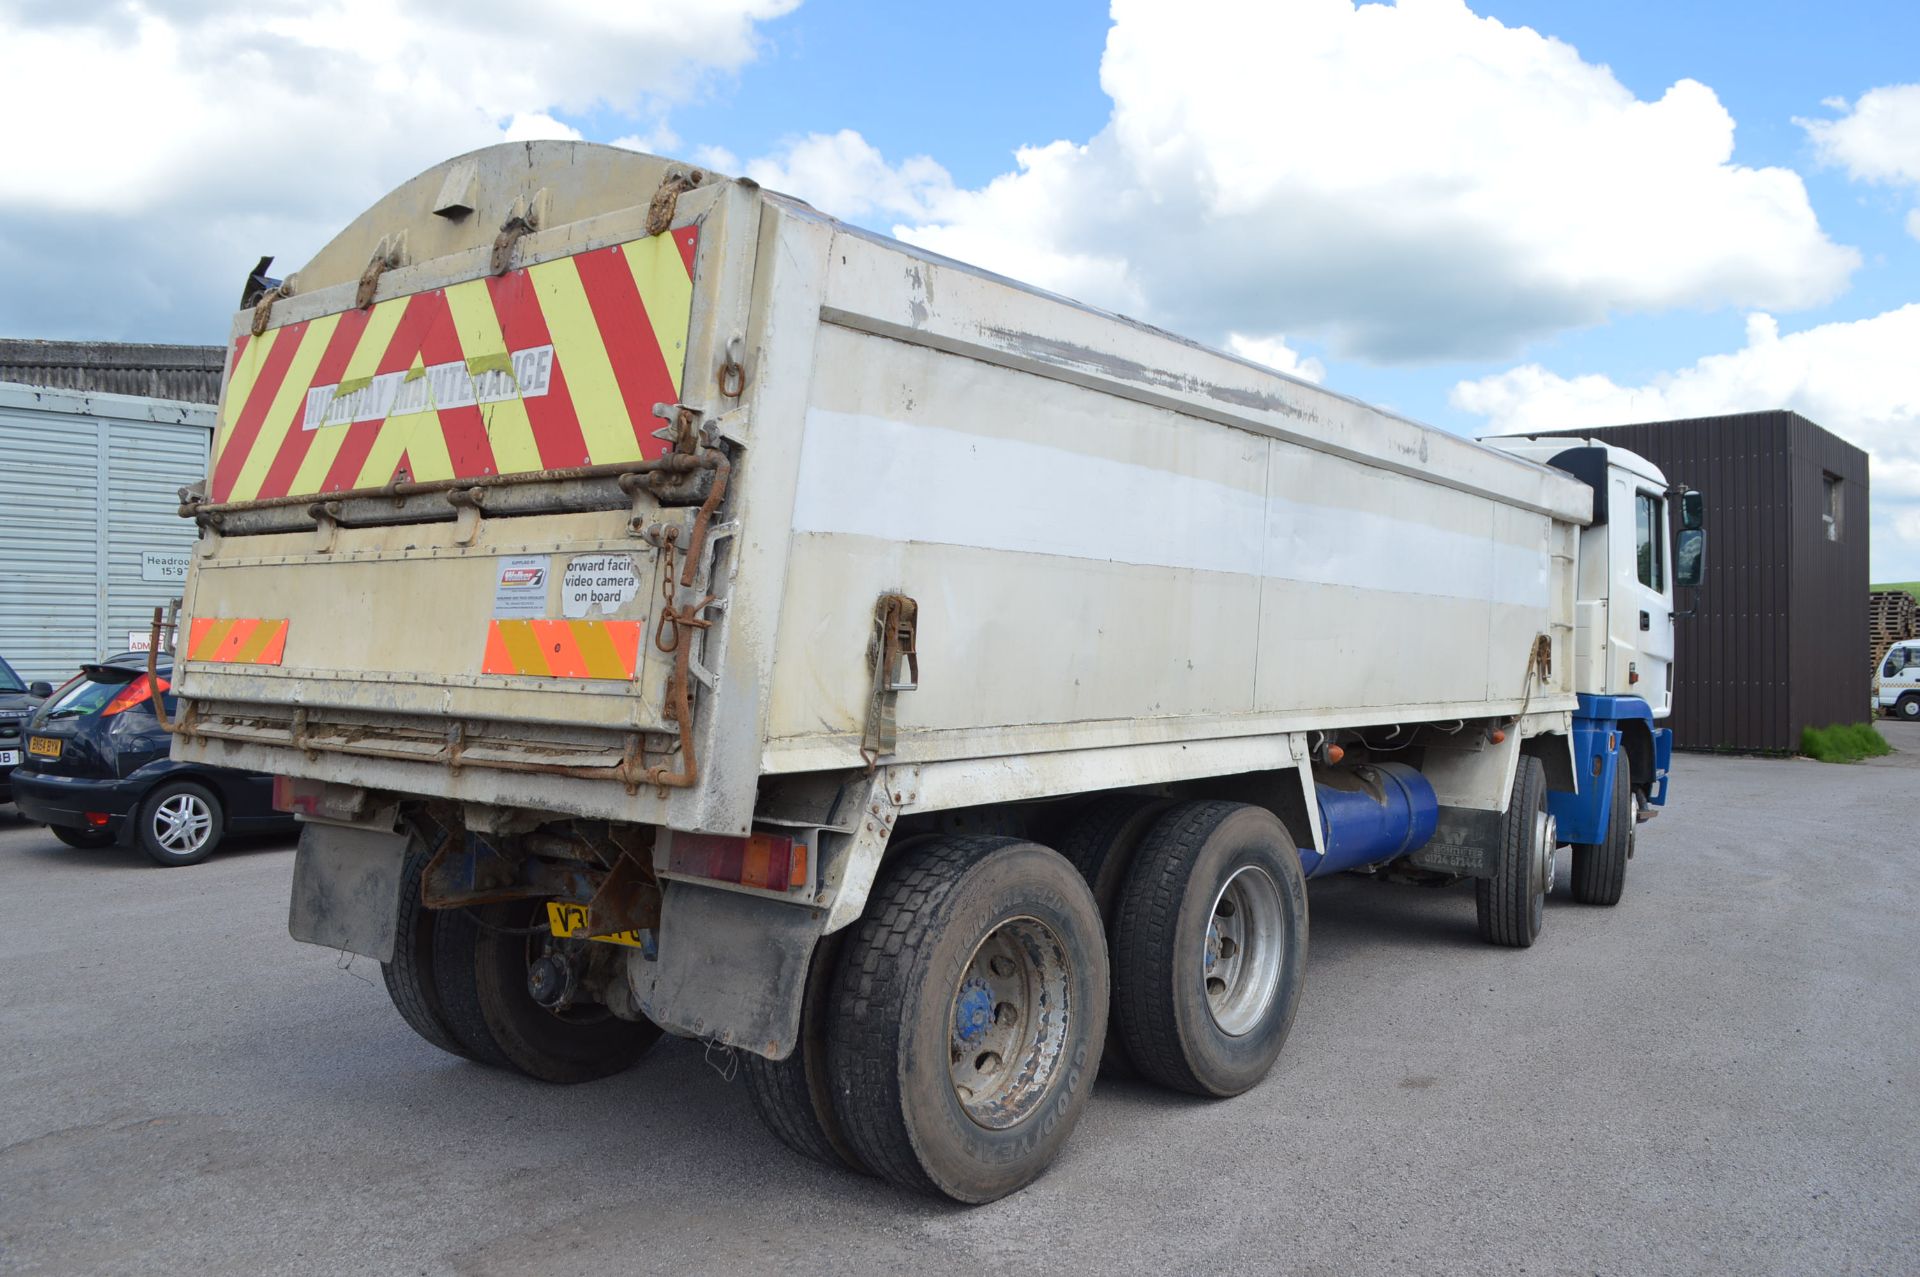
<point>1893,615</point>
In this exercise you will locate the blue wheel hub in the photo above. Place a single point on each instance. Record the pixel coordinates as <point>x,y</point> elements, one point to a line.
<point>972,1012</point>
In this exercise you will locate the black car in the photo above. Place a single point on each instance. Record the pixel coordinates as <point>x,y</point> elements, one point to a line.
<point>18,700</point>
<point>95,769</point>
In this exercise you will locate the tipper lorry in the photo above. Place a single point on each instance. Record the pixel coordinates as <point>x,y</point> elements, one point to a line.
<point>670,609</point>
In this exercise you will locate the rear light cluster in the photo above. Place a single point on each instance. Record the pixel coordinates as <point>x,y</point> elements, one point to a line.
<point>771,862</point>
<point>298,796</point>
<point>138,692</point>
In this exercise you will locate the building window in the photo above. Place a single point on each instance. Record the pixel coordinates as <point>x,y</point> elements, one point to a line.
<point>1833,514</point>
<point>1649,530</point>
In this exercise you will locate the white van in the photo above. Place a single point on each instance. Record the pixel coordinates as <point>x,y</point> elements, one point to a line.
<point>1897,689</point>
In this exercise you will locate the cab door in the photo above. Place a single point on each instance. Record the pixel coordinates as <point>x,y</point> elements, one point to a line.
<point>1642,622</point>
<point>1650,602</point>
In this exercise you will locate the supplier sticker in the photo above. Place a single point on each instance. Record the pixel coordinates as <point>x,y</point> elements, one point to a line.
<point>520,587</point>
<point>602,583</point>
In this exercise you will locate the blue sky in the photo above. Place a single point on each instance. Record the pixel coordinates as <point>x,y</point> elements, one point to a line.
<point>1362,196</point>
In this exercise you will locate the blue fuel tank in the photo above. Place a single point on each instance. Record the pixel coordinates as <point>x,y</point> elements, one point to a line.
<point>1374,812</point>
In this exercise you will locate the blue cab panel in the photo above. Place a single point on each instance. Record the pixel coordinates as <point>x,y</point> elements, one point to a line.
<point>1598,749</point>
<point>1392,811</point>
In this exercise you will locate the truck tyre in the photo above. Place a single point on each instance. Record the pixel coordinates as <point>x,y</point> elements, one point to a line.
<point>481,961</point>
<point>1511,905</point>
<point>1600,869</point>
<point>409,977</point>
<point>180,823</point>
<point>968,1015</point>
<point>1908,708</point>
<point>794,1097</point>
<point>1210,947</point>
<point>1101,843</point>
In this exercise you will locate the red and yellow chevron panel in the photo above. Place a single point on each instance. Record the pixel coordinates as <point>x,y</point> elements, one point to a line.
<point>563,649</point>
<point>247,641</point>
<point>544,368</point>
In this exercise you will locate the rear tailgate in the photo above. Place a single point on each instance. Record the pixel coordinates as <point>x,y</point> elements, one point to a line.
<point>423,535</point>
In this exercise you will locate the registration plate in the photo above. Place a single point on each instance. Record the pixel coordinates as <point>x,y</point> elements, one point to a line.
<point>9,757</point>
<point>570,922</point>
<point>44,747</point>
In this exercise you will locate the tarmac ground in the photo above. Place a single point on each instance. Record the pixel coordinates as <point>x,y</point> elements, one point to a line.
<point>1720,1075</point>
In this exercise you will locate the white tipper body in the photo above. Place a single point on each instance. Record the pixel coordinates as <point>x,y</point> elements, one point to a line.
<point>1135,560</point>
<point>1626,606</point>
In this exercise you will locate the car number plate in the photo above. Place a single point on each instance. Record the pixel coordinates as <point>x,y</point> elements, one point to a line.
<point>44,747</point>
<point>570,922</point>
<point>9,757</point>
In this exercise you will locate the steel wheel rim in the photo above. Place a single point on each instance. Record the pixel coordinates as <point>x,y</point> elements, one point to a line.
<point>1546,833</point>
<point>1245,948</point>
<point>1009,1022</point>
<point>183,823</point>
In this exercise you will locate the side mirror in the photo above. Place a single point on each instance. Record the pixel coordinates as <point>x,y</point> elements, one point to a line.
<point>1690,557</point>
<point>40,690</point>
<point>1693,511</point>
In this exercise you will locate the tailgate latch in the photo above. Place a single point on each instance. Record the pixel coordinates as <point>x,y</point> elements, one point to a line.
<point>895,656</point>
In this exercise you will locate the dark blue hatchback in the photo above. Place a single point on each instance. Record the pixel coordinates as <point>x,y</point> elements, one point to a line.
<point>18,701</point>
<point>95,770</point>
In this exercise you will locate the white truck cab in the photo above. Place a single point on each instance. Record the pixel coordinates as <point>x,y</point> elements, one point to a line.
<point>1896,688</point>
<point>1626,608</point>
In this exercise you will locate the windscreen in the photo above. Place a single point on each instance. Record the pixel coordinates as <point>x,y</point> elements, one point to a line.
<point>10,681</point>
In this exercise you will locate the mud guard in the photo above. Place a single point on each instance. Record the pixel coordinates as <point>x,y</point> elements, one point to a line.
<point>730,968</point>
<point>346,889</point>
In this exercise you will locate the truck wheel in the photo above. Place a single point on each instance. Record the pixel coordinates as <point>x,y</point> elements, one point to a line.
<point>409,977</point>
<point>1512,904</point>
<point>1101,844</point>
<point>1600,869</point>
<point>968,1015</point>
<point>1909,708</point>
<point>1210,947</point>
<point>794,1097</point>
<point>483,959</point>
<point>180,824</point>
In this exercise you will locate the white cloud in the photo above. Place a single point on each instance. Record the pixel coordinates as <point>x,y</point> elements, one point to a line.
<point>537,126</point>
<point>1400,182</point>
<point>1876,139</point>
<point>844,175</point>
<point>1277,355</point>
<point>162,144</point>
<point>1859,379</point>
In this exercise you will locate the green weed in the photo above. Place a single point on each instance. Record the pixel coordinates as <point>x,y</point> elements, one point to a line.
<point>1844,743</point>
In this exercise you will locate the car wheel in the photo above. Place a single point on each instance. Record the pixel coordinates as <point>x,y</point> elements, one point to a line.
<point>181,823</point>
<point>1909,708</point>
<point>85,839</point>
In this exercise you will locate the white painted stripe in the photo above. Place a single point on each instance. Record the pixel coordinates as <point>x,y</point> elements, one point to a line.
<point>901,481</point>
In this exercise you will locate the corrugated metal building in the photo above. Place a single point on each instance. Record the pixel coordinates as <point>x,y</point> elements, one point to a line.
<point>190,374</point>
<point>1776,644</point>
<point>90,469</point>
